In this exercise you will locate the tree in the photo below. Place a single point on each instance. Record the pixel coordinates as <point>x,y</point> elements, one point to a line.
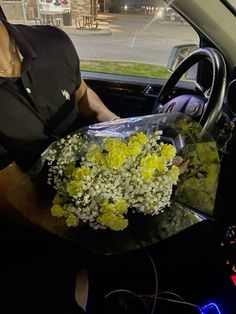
<point>114,6</point>
<point>139,3</point>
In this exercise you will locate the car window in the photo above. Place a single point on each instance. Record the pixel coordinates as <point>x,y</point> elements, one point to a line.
<point>120,37</point>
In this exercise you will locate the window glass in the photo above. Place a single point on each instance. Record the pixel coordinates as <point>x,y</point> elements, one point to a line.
<point>114,36</point>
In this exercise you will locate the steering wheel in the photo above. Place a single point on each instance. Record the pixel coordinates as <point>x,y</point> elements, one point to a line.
<point>208,107</point>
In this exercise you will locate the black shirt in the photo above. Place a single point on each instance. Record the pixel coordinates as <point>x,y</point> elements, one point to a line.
<point>38,107</point>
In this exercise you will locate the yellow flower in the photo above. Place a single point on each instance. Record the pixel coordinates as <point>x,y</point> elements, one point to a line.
<point>57,211</point>
<point>142,138</point>
<point>115,146</point>
<point>94,155</point>
<point>160,164</point>
<point>118,223</point>
<point>121,206</point>
<point>112,221</point>
<point>72,221</point>
<point>92,147</point>
<point>139,137</point>
<point>174,173</point>
<point>68,170</point>
<point>134,148</point>
<point>111,215</point>
<point>111,143</point>
<point>106,208</point>
<point>80,173</point>
<point>115,160</point>
<point>150,163</point>
<point>73,187</point>
<point>57,199</point>
<point>146,174</point>
<point>168,151</point>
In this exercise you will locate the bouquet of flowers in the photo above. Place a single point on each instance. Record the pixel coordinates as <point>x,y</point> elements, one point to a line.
<point>121,176</point>
<point>98,180</point>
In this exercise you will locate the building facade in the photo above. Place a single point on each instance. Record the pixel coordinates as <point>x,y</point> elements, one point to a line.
<point>27,10</point>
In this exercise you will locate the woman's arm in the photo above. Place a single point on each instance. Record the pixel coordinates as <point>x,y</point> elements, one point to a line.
<point>11,177</point>
<point>15,186</point>
<point>91,106</point>
<point>19,199</point>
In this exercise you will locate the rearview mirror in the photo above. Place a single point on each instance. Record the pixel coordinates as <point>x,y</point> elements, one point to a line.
<point>178,54</point>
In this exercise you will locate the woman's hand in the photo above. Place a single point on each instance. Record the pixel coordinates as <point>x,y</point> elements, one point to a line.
<point>92,107</point>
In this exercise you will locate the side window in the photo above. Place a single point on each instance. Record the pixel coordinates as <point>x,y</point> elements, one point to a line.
<point>111,36</point>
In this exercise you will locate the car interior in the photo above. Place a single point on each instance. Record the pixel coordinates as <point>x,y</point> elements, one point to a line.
<point>194,270</point>
<point>187,263</point>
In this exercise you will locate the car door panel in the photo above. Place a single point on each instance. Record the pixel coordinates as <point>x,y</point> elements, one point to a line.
<point>128,95</point>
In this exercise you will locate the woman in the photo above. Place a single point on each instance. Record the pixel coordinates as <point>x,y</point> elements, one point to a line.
<point>43,97</point>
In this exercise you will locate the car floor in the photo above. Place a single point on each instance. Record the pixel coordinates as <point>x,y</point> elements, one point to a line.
<point>40,275</point>
<point>190,264</point>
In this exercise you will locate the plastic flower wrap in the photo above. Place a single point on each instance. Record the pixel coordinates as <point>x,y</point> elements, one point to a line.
<point>114,186</point>
<point>109,177</point>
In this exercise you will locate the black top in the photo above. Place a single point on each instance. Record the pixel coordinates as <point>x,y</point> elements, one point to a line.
<point>38,107</point>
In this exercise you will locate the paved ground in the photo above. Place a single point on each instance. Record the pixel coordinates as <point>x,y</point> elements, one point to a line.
<point>130,38</point>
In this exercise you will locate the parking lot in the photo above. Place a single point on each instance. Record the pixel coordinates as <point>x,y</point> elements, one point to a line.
<point>134,38</point>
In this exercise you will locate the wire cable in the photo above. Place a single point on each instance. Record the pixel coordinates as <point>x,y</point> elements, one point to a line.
<point>156,280</point>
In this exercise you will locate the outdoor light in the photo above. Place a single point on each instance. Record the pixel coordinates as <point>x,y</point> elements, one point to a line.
<point>126,7</point>
<point>160,14</point>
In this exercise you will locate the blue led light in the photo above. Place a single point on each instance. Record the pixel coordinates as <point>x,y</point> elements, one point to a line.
<point>210,308</point>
